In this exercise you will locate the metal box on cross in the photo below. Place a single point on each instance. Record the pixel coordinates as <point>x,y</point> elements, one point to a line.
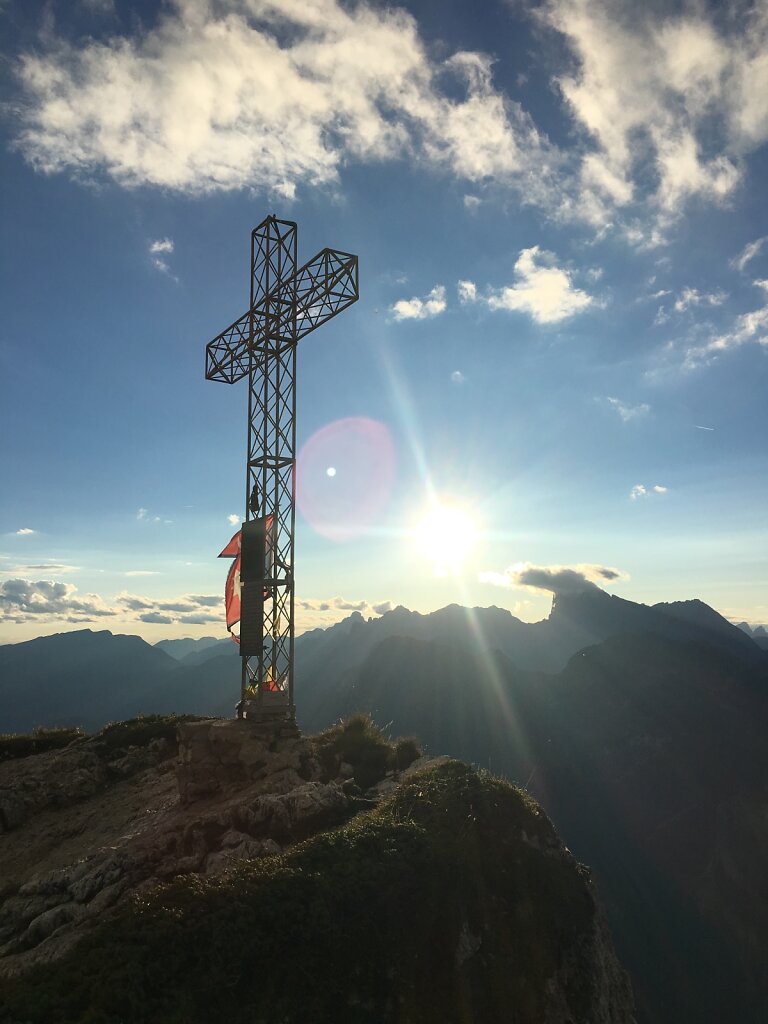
<point>286,304</point>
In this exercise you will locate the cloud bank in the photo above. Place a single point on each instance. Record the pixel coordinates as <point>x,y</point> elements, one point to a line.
<point>557,579</point>
<point>268,95</point>
<point>683,93</point>
<point>24,600</point>
<point>275,95</point>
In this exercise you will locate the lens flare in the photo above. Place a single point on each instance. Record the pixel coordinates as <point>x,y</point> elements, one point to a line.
<point>344,477</point>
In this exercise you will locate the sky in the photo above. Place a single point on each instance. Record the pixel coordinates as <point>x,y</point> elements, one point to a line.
<point>558,365</point>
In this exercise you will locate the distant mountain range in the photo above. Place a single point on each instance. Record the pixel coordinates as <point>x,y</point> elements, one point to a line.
<point>181,650</point>
<point>640,729</point>
<point>758,633</point>
<point>87,678</point>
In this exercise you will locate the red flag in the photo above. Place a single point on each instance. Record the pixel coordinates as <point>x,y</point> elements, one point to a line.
<point>232,550</point>
<point>232,586</point>
<point>232,594</point>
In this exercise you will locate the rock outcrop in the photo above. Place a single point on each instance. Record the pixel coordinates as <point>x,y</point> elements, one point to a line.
<point>92,831</point>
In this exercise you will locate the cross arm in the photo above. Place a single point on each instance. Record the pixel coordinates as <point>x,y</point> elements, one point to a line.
<point>317,292</point>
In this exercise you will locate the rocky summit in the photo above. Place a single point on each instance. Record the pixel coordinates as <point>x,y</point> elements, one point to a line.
<point>172,870</point>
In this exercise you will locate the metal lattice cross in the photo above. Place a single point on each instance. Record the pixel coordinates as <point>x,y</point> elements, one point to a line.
<point>286,304</point>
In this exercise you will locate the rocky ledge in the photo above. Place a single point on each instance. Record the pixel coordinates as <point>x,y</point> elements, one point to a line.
<point>100,838</point>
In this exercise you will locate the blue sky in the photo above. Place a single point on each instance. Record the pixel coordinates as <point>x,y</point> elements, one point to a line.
<point>561,338</point>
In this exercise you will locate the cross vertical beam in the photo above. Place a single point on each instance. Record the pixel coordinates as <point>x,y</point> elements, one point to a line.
<point>272,445</point>
<point>286,304</point>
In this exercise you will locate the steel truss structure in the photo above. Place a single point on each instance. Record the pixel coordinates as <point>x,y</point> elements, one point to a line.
<point>286,304</point>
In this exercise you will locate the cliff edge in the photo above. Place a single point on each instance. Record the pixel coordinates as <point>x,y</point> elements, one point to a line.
<point>253,874</point>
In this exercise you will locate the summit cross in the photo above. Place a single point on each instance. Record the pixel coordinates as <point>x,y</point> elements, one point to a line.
<point>286,304</point>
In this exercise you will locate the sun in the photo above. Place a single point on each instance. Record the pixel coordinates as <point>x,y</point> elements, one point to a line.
<point>445,537</point>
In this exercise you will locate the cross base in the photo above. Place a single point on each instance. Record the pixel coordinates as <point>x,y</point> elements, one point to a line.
<point>272,707</point>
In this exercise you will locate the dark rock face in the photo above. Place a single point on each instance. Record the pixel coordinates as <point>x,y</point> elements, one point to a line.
<point>444,894</point>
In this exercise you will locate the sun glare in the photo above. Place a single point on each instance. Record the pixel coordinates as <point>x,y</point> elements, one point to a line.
<point>445,536</point>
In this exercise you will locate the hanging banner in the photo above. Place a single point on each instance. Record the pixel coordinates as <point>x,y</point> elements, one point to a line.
<point>233,588</point>
<point>261,558</point>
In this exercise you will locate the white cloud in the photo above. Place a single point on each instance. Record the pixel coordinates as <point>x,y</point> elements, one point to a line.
<point>748,328</point>
<point>268,94</point>
<point>496,579</point>
<point>158,249</point>
<point>161,245</point>
<point>663,90</point>
<point>458,377</point>
<point>276,95</point>
<point>99,6</point>
<point>543,290</point>
<point>421,309</point>
<point>51,568</point>
<point>559,579</point>
<point>235,520</point>
<point>322,612</point>
<point>25,531</point>
<point>143,516</point>
<point>190,609</point>
<point>641,491</point>
<point>748,253</point>
<point>22,600</point>
<point>467,292</point>
<point>692,297</point>
<point>156,618</point>
<point>27,600</point>
<point>141,572</point>
<point>629,412</point>
<point>662,317</point>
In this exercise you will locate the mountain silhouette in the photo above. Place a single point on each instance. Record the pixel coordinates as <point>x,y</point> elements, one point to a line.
<point>640,729</point>
<point>185,647</point>
<point>88,678</point>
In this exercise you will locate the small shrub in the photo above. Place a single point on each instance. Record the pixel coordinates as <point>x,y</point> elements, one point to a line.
<point>407,750</point>
<point>17,745</point>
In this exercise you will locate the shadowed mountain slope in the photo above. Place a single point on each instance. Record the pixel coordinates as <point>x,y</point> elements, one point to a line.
<point>649,754</point>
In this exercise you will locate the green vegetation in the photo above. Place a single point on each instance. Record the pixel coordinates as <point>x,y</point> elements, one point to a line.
<point>137,732</point>
<point>359,742</point>
<point>407,750</point>
<point>430,908</point>
<point>15,745</point>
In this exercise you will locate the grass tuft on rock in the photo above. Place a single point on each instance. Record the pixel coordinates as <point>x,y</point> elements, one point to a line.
<point>17,745</point>
<point>359,742</point>
<point>440,905</point>
<point>137,732</point>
